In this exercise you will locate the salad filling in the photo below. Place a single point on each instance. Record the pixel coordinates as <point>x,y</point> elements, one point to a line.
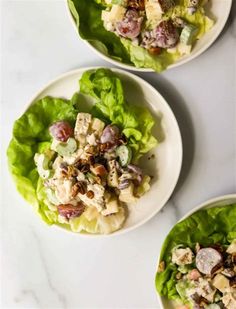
<point>206,276</point>
<point>88,170</point>
<point>152,33</point>
<point>197,266</point>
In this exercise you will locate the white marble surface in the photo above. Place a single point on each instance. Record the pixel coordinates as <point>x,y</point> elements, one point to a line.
<point>42,267</point>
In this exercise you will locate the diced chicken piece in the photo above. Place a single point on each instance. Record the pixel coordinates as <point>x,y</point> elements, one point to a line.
<point>221,283</point>
<point>110,18</point>
<point>98,170</point>
<point>210,296</point>
<point>205,289</point>
<point>127,195</point>
<point>182,256</point>
<point>98,198</point>
<point>232,247</point>
<point>91,139</point>
<point>112,178</point>
<point>97,126</point>
<point>112,206</point>
<point>63,191</point>
<point>82,124</point>
<point>229,299</point>
<point>81,139</point>
<point>153,11</point>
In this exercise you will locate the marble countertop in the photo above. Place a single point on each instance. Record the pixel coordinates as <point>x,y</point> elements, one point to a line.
<point>42,267</point>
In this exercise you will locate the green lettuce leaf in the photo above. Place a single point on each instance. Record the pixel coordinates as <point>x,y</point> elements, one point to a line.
<point>207,227</point>
<point>87,16</point>
<point>135,122</point>
<point>143,59</point>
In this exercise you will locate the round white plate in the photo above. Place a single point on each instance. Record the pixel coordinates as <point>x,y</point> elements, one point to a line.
<point>165,166</point>
<point>215,202</point>
<point>217,9</point>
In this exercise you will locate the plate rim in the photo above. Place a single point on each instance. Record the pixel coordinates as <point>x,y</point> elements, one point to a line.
<point>209,203</point>
<point>147,70</point>
<point>139,80</point>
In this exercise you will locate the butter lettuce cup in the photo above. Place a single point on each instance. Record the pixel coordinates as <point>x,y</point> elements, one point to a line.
<point>149,35</point>
<point>197,264</point>
<point>98,151</point>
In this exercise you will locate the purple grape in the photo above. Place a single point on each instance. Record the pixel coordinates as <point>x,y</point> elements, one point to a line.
<point>166,34</point>
<point>61,130</point>
<point>130,26</point>
<point>110,134</point>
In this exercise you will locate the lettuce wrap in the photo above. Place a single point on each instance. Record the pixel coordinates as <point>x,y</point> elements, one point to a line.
<point>211,226</point>
<point>31,136</point>
<point>87,17</point>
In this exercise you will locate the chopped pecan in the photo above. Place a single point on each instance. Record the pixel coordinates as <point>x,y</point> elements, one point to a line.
<point>85,168</point>
<point>80,187</point>
<point>122,140</point>
<point>75,190</point>
<point>232,282</point>
<point>105,146</point>
<point>82,165</point>
<point>98,180</point>
<point>69,171</point>
<point>91,149</point>
<point>161,267</point>
<point>91,160</point>
<point>90,194</point>
<point>203,302</point>
<point>98,169</point>
<point>217,269</point>
<point>154,50</point>
<point>228,272</point>
<point>218,247</point>
<point>73,172</point>
<point>137,4</point>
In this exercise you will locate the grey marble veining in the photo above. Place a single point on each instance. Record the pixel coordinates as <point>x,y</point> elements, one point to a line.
<point>43,267</point>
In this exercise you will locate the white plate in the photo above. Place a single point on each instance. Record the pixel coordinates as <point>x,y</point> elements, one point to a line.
<point>215,202</point>
<point>166,165</point>
<point>218,9</point>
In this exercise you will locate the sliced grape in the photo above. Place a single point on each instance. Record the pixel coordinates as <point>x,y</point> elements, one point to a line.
<point>130,26</point>
<point>167,35</point>
<point>69,211</point>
